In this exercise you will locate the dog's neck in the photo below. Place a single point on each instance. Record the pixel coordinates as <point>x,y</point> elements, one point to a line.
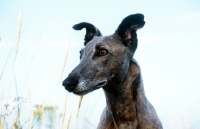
<point>122,101</point>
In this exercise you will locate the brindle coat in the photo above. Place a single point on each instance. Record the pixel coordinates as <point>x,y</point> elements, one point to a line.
<point>106,62</point>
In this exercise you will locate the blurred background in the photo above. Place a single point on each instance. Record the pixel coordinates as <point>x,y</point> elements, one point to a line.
<point>39,48</point>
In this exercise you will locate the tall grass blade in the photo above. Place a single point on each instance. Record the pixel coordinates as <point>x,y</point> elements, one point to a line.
<point>18,34</point>
<point>68,121</point>
<point>32,118</point>
<point>64,61</point>
<point>79,105</point>
<point>64,112</point>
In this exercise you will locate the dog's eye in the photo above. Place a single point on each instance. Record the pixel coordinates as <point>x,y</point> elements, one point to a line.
<point>102,52</point>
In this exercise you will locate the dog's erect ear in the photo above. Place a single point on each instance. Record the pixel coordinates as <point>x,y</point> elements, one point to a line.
<point>91,30</point>
<point>128,27</point>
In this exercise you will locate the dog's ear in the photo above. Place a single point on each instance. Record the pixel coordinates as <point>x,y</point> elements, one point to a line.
<point>127,29</point>
<point>91,31</point>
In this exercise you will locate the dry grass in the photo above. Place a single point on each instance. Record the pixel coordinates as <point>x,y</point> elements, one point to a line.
<point>64,112</point>
<point>79,105</point>
<point>18,34</point>
<point>35,115</point>
<point>64,61</point>
<point>68,121</point>
<point>15,56</point>
<point>38,115</point>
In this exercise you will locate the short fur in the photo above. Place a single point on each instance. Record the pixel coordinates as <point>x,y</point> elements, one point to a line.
<point>106,62</point>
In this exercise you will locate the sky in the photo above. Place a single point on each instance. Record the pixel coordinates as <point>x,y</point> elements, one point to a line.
<point>168,54</point>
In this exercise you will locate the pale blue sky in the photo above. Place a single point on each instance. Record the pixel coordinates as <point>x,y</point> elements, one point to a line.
<point>168,52</point>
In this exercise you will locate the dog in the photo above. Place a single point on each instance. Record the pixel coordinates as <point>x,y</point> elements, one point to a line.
<point>107,62</point>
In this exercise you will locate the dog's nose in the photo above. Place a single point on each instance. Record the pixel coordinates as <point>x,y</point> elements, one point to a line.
<point>70,83</point>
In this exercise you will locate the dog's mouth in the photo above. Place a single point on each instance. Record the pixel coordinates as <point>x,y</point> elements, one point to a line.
<point>84,92</point>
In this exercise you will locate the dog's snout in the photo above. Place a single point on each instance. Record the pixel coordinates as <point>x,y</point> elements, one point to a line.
<point>70,83</point>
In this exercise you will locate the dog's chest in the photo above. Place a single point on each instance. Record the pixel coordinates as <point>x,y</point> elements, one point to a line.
<point>128,125</point>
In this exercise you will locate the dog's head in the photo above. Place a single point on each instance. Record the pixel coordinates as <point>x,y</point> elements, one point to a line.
<point>104,61</point>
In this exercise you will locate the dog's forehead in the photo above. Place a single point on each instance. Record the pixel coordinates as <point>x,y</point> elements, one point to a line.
<point>104,41</point>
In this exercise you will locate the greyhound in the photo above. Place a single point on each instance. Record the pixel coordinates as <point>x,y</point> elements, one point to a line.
<point>107,62</point>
